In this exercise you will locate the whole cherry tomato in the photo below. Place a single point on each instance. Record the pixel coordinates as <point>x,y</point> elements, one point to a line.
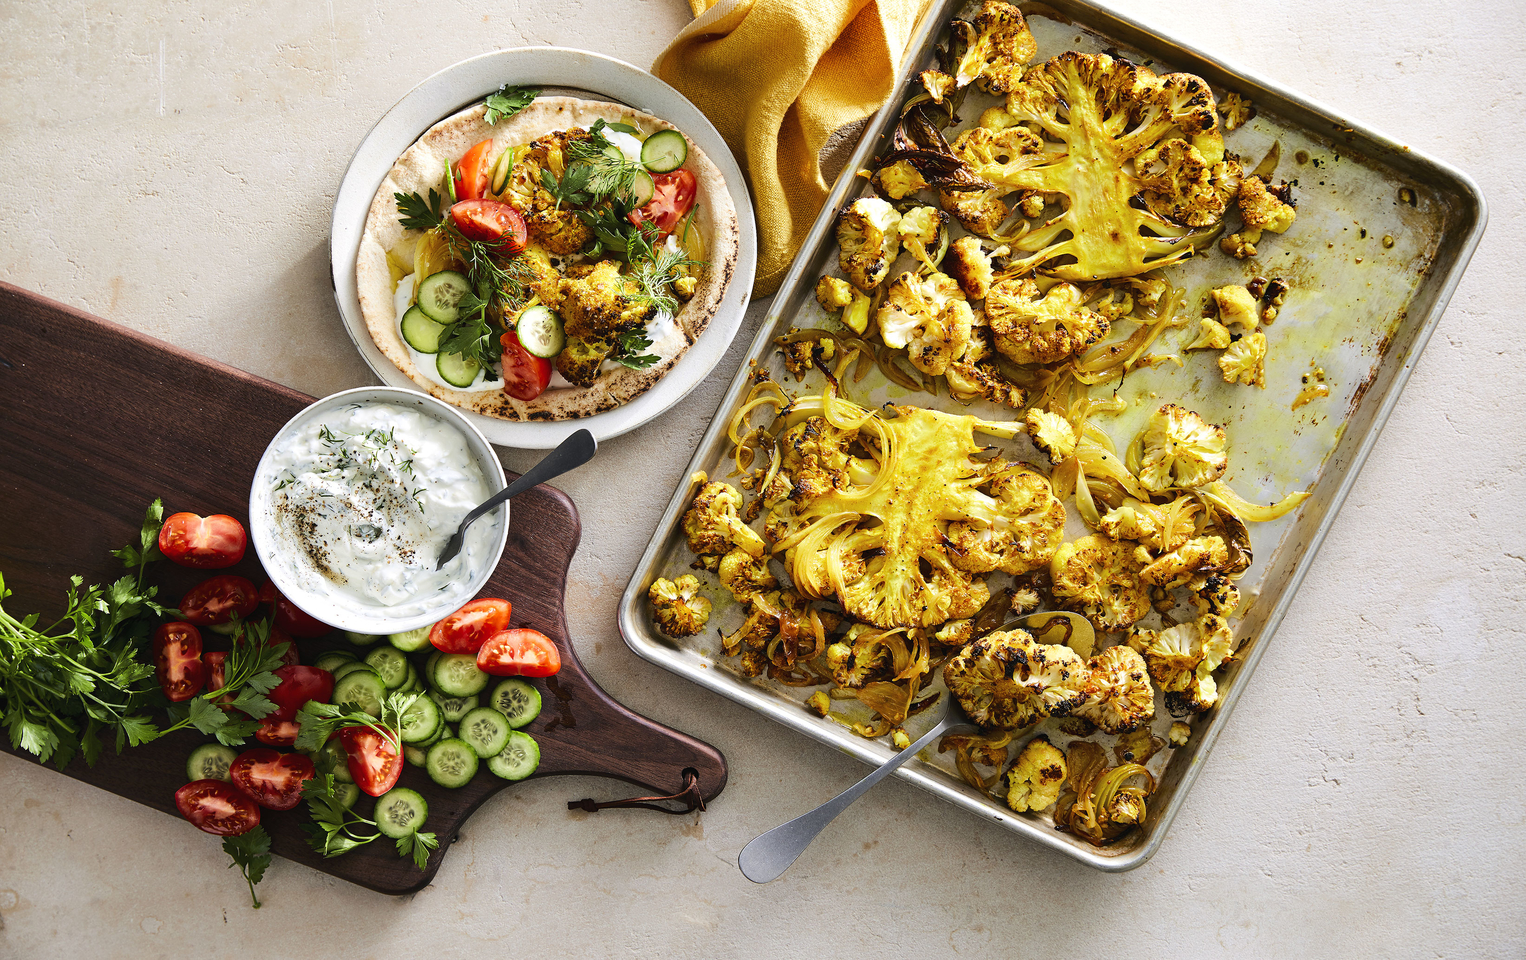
<point>217,808</point>
<point>278,733</point>
<point>672,196</point>
<point>473,171</point>
<point>298,685</point>
<point>372,758</point>
<point>494,222</point>
<point>219,600</point>
<point>272,780</point>
<point>525,376</point>
<point>521,652</point>
<point>206,542</point>
<point>468,628</point>
<point>291,618</point>
<point>177,661</point>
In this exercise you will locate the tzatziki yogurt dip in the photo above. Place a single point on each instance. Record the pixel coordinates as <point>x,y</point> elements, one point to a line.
<point>362,499</point>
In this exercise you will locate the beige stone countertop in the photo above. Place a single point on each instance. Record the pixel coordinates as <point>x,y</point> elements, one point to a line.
<point>172,167</point>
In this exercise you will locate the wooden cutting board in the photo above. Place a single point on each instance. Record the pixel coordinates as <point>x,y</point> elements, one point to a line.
<point>96,421</point>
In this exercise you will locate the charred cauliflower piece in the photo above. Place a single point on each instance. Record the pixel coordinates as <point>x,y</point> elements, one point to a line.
<point>978,211</point>
<point>970,265</point>
<point>677,607</point>
<point>1211,335</point>
<point>1099,578</point>
<point>899,180</point>
<point>923,232</point>
<point>975,375</point>
<point>1119,698</point>
<point>1034,781</point>
<point>745,575</point>
<point>860,657</point>
<point>1052,434</point>
<point>1017,531</point>
<point>1182,660</point>
<point>1113,132</point>
<point>833,294</point>
<point>1003,156</point>
<point>1030,328</point>
<point>552,225</point>
<point>1176,568</point>
<point>1236,305</point>
<point>713,525</point>
<point>1006,680</point>
<point>868,241</point>
<point>1261,209</point>
<point>602,304</point>
<point>997,45</point>
<point>1244,361</point>
<point>581,359</point>
<point>928,317</point>
<point>1181,449</point>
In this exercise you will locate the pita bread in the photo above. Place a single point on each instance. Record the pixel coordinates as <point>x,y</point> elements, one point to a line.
<point>422,168</point>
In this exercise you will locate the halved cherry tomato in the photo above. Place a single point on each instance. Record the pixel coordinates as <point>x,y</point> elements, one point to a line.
<point>494,222</point>
<point>372,758</point>
<point>278,733</point>
<point>290,617</point>
<point>216,807</point>
<point>520,652</point>
<point>272,780</point>
<point>525,375</point>
<point>215,661</point>
<point>177,661</point>
<point>472,172</point>
<point>206,542</point>
<point>219,600</point>
<point>298,685</point>
<point>672,196</point>
<point>468,628</point>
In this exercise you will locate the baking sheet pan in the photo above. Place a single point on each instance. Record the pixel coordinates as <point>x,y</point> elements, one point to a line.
<point>1382,237</point>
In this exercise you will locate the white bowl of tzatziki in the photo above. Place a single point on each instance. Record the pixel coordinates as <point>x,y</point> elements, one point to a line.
<point>354,499</point>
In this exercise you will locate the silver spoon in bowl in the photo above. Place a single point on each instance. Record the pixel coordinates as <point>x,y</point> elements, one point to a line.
<point>768,855</point>
<point>571,453</point>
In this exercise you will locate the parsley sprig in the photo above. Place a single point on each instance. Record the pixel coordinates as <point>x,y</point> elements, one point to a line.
<point>508,101</point>
<point>250,852</point>
<point>336,829</point>
<point>248,675</point>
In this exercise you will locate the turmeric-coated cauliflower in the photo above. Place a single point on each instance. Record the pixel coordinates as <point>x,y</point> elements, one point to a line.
<point>1006,680</point>
<point>970,265</point>
<point>1261,209</point>
<point>867,241</point>
<point>744,575</point>
<point>899,180</point>
<point>1119,697</point>
<point>923,231</point>
<point>1182,660</point>
<point>1030,328</point>
<point>1177,567</point>
<point>1211,335</point>
<point>1181,449</point>
<point>677,608</point>
<point>975,374</point>
<point>1162,527</point>
<point>1001,157</point>
<point>1236,305</point>
<point>1034,781</point>
<point>1017,531</point>
<point>713,524</point>
<point>555,226</point>
<point>978,211</point>
<point>1244,361</point>
<point>602,304</point>
<point>1099,578</point>
<point>928,317</point>
<point>833,293</point>
<point>997,44</point>
<point>1053,434</point>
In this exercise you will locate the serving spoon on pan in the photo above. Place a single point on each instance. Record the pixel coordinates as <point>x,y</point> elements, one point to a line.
<point>768,855</point>
<point>571,453</point>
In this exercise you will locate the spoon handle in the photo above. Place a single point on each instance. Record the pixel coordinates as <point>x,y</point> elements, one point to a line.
<point>573,452</point>
<point>769,854</point>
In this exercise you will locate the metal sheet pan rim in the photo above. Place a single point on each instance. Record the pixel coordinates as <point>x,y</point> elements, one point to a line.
<point>638,636</point>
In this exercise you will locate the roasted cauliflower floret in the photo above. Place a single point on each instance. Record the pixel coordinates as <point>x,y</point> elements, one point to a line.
<point>975,374</point>
<point>1016,531</point>
<point>1261,209</point>
<point>1183,186</point>
<point>1211,335</point>
<point>1236,305</point>
<point>1001,156</point>
<point>816,458</point>
<point>928,317</point>
<point>581,359</point>
<point>744,575</point>
<point>1099,578</point>
<point>553,225</point>
<point>1034,781</point>
<point>859,658</point>
<point>1119,697</point>
<point>1176,568</point>
<point>1244,361</point>
<point>1052,434</point>
<point>1214,593</point>
<point>677,607</point>
<point>803,354</point>
<point>602,304</point>
<point>922,231</point>
<point>1006,680</point>
<point>1182,660</point>
<point>899,180</point>
<point>1031,328</point>
<point>833,294</point>
<point>1162,527</point>
<point>1180,734</point>
<point>713,524</point>
<point>868,241</point>
<point>997,45</point>
<point>1236,110</point>
<point>970,265</point>
<point>1181,449</point>
<point>978,211</point>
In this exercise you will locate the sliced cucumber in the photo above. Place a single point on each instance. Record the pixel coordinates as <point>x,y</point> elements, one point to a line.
<point>517,701</point>
<point>415,754</point>
<point>210,761</point>
<point>642,188</point>
<point>348,667</point>
<point>486,730</point>
<point>363,689</point>
<point>434,657</point>
<point>421,331</point>
<point>518,759</point>
<point>400,811</point>
<point>503,167</point>
<point>440,295</point>
<point>346,794</point>
<point>540,331</point>
<point>332,659</point>
<point>453,708</point>
<point>664,151</point>
<point>421,721</point>
<point>390,664</point>
<point>456,675</point>
<point>410,641</point>
<point>413,684</point>
<point>456,370</point>
<point>361,639</point>
<point>451,763</point>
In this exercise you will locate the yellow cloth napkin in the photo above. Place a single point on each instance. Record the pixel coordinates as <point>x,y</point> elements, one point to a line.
<point>778,78</point>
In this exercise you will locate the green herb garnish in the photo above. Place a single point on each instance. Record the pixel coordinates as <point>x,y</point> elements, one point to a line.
<point>508,101</point>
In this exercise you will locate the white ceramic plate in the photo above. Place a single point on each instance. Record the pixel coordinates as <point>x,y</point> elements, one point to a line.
<point>457,87</point>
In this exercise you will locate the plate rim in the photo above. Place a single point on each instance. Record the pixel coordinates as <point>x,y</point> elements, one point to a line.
<point>467,81</point>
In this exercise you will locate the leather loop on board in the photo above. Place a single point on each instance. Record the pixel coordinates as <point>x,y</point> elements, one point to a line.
<point>690,796</point>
